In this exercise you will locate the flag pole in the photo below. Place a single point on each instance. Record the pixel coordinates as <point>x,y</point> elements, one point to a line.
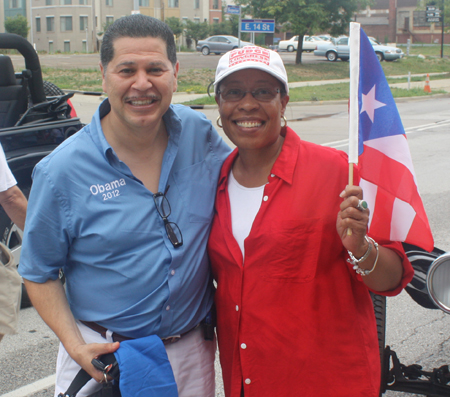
<point>353,102</point>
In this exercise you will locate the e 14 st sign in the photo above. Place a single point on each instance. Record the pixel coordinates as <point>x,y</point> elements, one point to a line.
<point>258,25</point>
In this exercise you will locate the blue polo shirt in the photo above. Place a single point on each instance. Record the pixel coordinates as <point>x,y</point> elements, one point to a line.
<point>88,214</point>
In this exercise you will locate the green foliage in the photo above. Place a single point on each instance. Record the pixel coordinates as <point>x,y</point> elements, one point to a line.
<point>17,25</point>
<point>306,17</point>
<point>175,25</point>
<point>196,31</point>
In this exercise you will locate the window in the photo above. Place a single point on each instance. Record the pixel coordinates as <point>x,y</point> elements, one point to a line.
<point>38,24</point>
<point>49,3</point>
<point>50,47</point>
<point>197,20</point>
<point>216,20</point>
<point>109,2</point>
<point>83,23</point>
<point>109,20</point>
<point>67,46</point>
<point>196,4</point>
<point>66,24</point>
<point>144,3</point>
<point>173,3</point>
<point>66,2</point>
<point>83,46</point>
<point>215,4</point>
<point>184,20</point>
<point>82,2</point>
<point>50,24</point>
<point>420,19</point>
<point>14,4</point>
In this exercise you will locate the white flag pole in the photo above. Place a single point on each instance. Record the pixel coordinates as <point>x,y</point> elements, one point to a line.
<point>353,101</point>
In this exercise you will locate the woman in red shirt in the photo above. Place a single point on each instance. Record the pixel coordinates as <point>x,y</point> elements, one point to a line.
<point>294,318</point>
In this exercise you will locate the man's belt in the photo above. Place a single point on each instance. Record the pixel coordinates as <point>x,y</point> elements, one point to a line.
<point>120,338</point>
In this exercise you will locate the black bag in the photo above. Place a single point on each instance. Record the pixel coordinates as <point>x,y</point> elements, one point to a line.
<point>106,363</point>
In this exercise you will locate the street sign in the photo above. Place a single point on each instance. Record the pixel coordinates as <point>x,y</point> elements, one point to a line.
<point>258,25</point>
<point>433,14</point>
<point>233,10</point>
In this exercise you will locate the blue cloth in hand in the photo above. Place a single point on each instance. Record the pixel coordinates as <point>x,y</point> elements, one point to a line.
<point>145,368</point>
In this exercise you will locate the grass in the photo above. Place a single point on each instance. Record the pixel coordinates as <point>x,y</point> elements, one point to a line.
<point>197,80</point>
<point>326,92</point>
<point>433,50</point>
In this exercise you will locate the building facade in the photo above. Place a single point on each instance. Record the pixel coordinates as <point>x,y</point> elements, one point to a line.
<point>10,9</point>
<point>73,25</point>
<point>399,20</point>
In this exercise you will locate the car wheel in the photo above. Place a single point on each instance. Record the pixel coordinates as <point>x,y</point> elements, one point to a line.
<point>344,59</point>
<point>379,307</point>
<point>380,56</point>
<point>290,48</point>
<point>205,51</point>
<point>331,56</point>
<point>11,236</point>
<point>51,89</point>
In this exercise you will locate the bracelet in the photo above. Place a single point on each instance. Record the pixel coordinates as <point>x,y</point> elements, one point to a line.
<point>355,262</point>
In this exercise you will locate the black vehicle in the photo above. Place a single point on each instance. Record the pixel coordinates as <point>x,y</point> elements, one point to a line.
<point>430,288</point>
<point>35,117</point>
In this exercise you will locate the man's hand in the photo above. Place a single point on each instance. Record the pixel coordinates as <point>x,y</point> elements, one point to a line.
<point>84,354</point>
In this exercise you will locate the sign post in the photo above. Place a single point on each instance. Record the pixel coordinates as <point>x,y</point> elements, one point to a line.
<point>236,10</point>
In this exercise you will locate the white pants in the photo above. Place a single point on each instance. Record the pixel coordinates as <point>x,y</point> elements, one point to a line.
<point>191,358</point>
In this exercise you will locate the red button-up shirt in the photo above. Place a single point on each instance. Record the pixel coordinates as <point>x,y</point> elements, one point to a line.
<point>294,319</point>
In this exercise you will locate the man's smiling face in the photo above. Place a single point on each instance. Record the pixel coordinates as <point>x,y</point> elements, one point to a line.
<point>139,81</point>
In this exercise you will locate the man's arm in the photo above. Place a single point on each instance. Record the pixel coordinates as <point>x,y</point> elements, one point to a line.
<point>50,301</point>
<point>15,204</point>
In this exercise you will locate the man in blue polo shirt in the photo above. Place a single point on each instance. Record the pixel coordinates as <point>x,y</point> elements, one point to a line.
<point>124,207</point>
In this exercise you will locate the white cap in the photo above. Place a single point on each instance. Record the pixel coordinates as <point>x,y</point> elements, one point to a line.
<point>251,57</point>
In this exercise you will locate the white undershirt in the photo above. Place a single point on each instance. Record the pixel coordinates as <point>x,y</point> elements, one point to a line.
<point>244,203</point>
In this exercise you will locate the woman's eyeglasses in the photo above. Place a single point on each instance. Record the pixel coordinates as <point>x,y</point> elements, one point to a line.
<point>163,208</point>
<point>260,94</point>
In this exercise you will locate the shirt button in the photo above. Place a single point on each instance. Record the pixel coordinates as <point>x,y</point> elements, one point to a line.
<point>172,272</point>
<point>167,307</point>
<point>243,346</point>
<point>237,308</point>
<point>265,198</point>
<point>247,381</point>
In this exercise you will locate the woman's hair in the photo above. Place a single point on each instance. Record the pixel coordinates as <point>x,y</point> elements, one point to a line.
<point>136,26</point>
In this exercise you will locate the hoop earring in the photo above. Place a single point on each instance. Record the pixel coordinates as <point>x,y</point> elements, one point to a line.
<point>218,122</point>
<point>285,121</point>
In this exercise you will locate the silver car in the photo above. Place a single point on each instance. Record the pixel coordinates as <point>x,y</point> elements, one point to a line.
<point>220,44</point>
<point>339,48</point>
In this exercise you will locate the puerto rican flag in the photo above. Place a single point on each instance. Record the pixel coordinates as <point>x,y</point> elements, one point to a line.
<point>378,143</point>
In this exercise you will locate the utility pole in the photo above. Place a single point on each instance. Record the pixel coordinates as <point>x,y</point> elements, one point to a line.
<point>31,25</point>
<point>442,27</point>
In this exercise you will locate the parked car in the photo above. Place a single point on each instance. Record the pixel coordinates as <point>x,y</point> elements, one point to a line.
<point>309,44</point>
<point>339,48</point>
<point>220,44</point>
<point>36,117</point>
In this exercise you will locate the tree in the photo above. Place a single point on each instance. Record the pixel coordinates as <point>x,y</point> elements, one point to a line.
<point>196,30</point>
<point>176,26</point>
<point>304,17</point>
<point>17,25</point>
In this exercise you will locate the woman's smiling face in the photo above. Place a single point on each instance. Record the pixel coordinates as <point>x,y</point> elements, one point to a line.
<point>248,122</point>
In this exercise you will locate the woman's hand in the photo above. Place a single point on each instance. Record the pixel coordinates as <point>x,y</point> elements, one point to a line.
<point>352,222</point>
<point>385,265</point>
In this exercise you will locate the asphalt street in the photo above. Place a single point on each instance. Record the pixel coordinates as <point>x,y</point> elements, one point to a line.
<point>27,360</point>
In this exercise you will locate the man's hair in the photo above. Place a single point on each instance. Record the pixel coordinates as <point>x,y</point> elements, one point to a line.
<point>137,25</point>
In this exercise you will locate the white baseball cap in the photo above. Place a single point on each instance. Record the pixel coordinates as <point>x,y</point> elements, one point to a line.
<point>251,57</point>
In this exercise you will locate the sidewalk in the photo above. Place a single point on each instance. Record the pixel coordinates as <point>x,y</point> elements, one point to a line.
<point>181,97</point>
<point>444,84</point>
